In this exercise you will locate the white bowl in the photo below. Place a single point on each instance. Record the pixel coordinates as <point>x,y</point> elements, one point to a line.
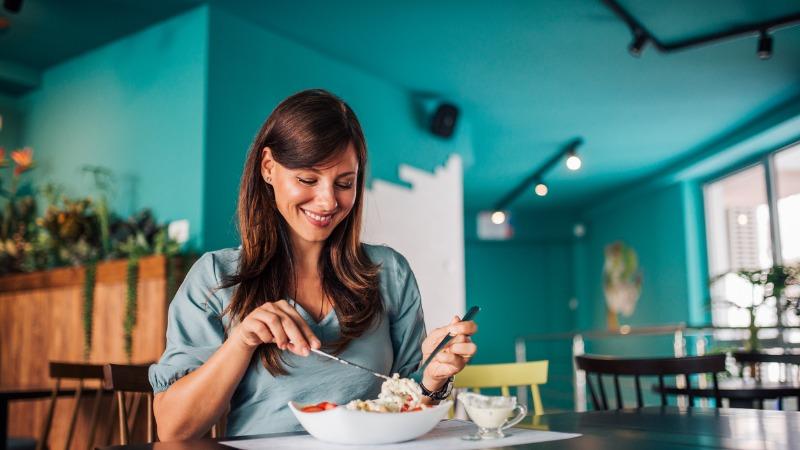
<point>343,426</point>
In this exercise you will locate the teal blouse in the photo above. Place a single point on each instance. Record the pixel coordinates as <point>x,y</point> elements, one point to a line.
<point>195,330</point>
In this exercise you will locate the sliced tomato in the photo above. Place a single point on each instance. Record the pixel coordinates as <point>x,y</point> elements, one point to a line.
<point>327,405</point>
<point>311,408</point>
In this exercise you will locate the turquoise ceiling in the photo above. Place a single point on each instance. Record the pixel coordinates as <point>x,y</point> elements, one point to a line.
<point>47,32</point>
<point>531,75</point>
<point>528,75</point>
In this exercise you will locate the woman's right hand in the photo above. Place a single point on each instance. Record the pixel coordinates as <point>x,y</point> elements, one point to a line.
<point>276,323</point>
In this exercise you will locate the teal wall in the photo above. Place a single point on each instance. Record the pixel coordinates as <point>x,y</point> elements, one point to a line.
<point>12,124</point>
<point>524,286</point>
<point>136,106</point>
<point>653,225</point>
<point>251,70</point>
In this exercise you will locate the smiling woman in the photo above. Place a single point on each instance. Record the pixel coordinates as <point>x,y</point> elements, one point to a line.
<point>301,279</point>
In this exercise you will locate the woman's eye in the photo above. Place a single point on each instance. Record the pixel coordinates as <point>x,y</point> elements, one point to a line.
<point>306,181</point>
<point>344,185</point>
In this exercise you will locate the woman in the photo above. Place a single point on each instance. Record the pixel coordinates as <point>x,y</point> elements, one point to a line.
<point>301,279</point>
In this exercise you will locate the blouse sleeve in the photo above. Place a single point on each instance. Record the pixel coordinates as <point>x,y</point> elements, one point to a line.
<point>194,326</point>
<point>407,320</point>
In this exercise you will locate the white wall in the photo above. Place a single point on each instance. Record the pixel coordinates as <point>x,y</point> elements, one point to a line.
<point>424,222</point>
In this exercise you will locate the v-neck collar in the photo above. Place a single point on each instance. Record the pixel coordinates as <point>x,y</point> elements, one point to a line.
<point>309,318</point>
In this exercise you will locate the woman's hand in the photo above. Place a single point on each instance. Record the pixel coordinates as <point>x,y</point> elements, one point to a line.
<point>451,359</point>
<point>276,323</point>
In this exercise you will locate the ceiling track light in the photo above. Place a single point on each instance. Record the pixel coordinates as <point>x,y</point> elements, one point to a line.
<point>536,178</point>
<point>764,45</point>
<point>573,160</point>
<point>541,189</point>
<point>638,43</point>
<point>13,6</point>
<point>641,35</point>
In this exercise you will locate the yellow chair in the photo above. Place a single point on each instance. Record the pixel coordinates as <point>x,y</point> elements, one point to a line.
<point>531,374</point>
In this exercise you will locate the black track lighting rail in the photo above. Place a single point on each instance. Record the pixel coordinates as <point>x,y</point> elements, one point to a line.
<point>538,174</point>
<point>641,35</point>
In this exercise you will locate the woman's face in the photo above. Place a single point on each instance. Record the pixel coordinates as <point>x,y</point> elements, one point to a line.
<point>313,200</point>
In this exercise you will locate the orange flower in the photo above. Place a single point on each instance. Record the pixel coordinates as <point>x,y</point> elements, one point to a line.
<point>3,161</point>
<point>24,160</point>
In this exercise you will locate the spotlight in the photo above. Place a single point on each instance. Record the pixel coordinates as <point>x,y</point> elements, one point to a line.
<point>498,217</point>
<point>638,43</point>
<point>573,160</point>
<point>13,6</point>
<point>541,189</point>
<point>764,45</point>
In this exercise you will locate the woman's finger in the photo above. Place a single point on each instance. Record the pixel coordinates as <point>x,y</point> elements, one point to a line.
<point>275,325</point>
<point>261,331</point>
<point>297,341</point>
<point>464,349</point>
<point>467,328</point>
<point>448,358</point>
<point>309,335</point>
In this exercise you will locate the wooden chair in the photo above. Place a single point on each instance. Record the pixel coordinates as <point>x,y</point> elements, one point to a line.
<point>130,384</point>
<point>638,367</point>
<point>82,373</point>
<point>755,359</point>
<point>531,374</point>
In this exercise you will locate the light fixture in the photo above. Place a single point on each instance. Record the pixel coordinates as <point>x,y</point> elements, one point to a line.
<point>573,160</point>
<point>764,45</point>
<point>641,35</point>
<point>13,6</point>
<point>638,43</point>
<point>498,217</point>
<point>742,219</point>
<point>536,178</point>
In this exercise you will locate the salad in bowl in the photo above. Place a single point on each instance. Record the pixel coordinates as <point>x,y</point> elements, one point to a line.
<point>397,415</point>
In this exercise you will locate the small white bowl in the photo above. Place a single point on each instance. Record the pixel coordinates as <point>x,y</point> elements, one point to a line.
<point>343,426</point>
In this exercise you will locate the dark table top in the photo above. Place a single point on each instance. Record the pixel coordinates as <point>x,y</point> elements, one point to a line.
<point>653,428</point>
<point>738,388</point>
<point>28,392</point>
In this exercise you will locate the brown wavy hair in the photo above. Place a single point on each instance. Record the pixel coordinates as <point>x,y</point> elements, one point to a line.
<point>306,130</point>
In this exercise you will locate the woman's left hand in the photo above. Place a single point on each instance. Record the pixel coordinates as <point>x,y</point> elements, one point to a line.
<point>451,359</point>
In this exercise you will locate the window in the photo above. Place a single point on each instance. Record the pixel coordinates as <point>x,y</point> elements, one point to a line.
<point>752,223</point>
<point>787,181</point>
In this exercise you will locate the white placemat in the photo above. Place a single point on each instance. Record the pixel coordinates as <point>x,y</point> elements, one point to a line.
<point>446,435</point>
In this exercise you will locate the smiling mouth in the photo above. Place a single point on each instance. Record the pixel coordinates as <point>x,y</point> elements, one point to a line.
<point>320,220</point>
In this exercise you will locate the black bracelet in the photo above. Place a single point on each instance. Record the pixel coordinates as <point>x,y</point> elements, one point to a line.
<point>439,394</point>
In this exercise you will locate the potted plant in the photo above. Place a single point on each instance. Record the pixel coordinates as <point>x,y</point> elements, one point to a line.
<point>773,287</point>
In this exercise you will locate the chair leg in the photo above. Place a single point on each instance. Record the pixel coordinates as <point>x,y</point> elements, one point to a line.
<point>133,412</point>
<point>48,419</point>
<point>123,419</point>
<point>538,409</point>
<point>75,411</point>
<point>93,421</point>
<point>150,428</point>
<point>112,406</point>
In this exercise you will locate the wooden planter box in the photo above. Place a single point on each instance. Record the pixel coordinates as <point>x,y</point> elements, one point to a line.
<point>41,319</point>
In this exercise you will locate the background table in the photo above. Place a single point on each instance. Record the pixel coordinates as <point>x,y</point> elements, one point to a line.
<point>25,392</point>
<point>654,428</point>
<point>742,393</point>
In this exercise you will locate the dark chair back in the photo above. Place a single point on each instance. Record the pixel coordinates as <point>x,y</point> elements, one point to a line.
<point>757,357</point>
<point>130,384</point>
<point>82,373</point>
<point>639,367</point>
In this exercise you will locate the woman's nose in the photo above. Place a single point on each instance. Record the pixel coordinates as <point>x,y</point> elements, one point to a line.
<point>326,198</point>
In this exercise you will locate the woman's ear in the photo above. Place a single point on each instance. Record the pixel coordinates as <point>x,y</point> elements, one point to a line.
<point>267,164</point>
